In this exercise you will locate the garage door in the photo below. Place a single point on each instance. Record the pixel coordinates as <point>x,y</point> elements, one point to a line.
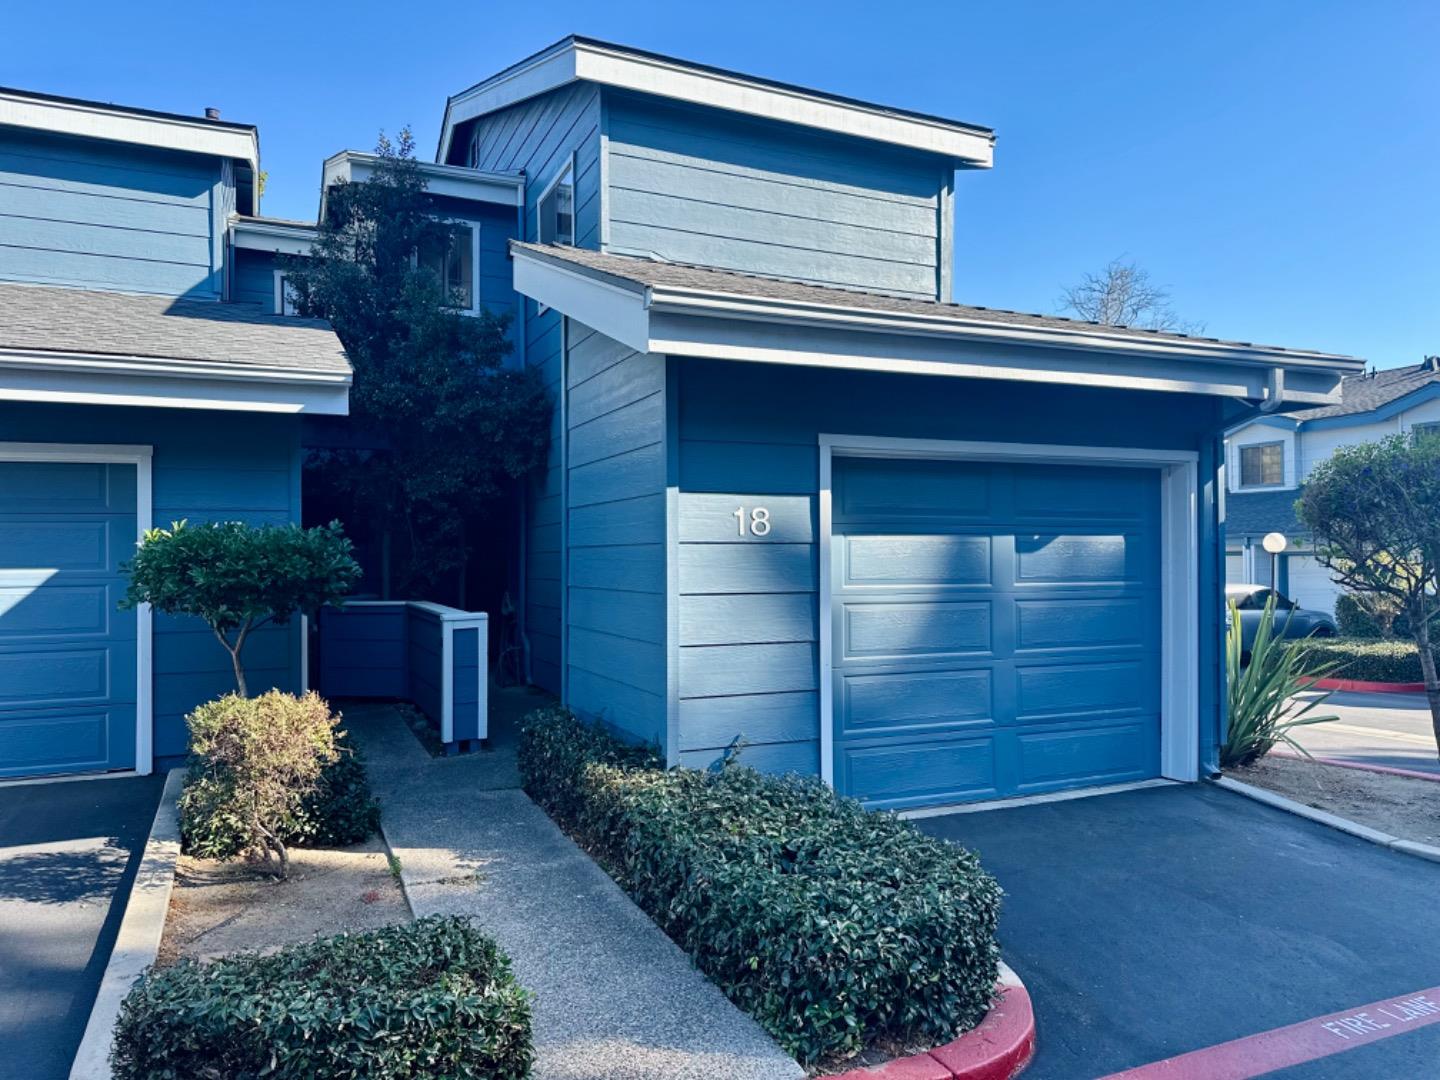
<point>996,628</point>
<point>67,656</point>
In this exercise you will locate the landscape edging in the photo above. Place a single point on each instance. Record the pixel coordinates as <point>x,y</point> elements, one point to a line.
<point>998,1048</point>
<point>138,941</point>
<point>1364,686</point>
<point>1363,766</point>
<point>1334,821</point>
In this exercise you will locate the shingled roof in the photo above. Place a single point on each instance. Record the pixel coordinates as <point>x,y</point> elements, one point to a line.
<point>47,319</point>
<point>653,273</point>
<point>1368,392</point>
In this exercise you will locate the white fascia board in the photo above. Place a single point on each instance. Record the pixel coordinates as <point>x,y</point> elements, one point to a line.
<point>283,239</point>
<point>95,121</point>
<point>101,380</point>
<point>570,61</point>
<point>448,181</point>
<point>619,310</point>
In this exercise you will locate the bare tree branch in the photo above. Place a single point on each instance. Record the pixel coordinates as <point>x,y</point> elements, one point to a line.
<point>1122,294</point>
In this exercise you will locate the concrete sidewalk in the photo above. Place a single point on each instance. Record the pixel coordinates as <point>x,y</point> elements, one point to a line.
<point>615,999</point>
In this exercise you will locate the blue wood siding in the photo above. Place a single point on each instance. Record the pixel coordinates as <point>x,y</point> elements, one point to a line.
<point>362,651</point>
<point>110,216</point>
<point>709,188</point>
<point>615,534</point>
<point>252,278</point>
<point>207,466</point>
<point>424,652</point>
<point>468,648</point>
<point>540,136</point>
<point>748,435</point>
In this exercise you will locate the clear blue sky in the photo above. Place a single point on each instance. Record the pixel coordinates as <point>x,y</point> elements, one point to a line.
<point>1275,164</point>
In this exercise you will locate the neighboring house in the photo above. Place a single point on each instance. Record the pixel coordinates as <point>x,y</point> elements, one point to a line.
<point>798,501</point>
<point>133,393</point>
<point>1268,458</point>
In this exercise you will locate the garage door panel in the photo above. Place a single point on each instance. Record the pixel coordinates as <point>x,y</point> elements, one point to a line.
<point>916,628</point>
<point>1111,754</point>
<point>1067,623</point>
<point>1068,559</point>
<point>914,772</point>
<point>61,740</point>
<point>1075,690</point>
<point>1101,494</point>
<point>935,560</point>
<point>873,487</point>
<point>66,486</point>
<point>28,612</point>
<point>871,704</point>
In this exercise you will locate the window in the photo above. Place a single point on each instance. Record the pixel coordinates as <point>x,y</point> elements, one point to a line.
<point>556,209</point>
<point>452,260</point>
<point>1425,431</point>
<point>473,159</point>
<point>1262,465</point>
<point>284,295</point>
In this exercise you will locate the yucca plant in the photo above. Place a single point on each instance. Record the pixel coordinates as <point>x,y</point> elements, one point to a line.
<point>1264,706</point>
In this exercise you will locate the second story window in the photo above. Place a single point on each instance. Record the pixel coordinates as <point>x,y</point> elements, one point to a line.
<point>1263,465</point>
<point>1426,431</point>
<point>452,261</point>
<point>284,295</point>
<point>556,209</point>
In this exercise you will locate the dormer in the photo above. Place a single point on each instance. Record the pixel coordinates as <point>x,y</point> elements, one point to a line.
<point>686,163</point>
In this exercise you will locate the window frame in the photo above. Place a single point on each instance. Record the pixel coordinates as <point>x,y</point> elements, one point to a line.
<point>280,279</point>
<point>474,227</point>
<point>566,170</point>
<point>1426,428</point>
<point>1240,464</point>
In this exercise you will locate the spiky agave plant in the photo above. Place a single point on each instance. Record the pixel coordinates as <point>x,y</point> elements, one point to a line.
<point>1263,694</point>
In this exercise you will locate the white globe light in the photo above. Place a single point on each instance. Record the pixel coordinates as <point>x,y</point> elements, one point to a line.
<point>1274,543</point>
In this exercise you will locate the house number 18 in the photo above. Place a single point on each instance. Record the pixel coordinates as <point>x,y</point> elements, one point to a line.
<point>758,520</point>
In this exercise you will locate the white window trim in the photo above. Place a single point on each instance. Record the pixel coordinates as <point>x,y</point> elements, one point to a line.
<point>140,457</point>
<point>568,169</point>
<point>474,227</point>
<point>280,292</point>
<point>1179,570</point>
<point>1240,484</point>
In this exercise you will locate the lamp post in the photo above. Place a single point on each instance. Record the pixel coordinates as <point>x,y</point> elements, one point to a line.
<point>1274,543</point>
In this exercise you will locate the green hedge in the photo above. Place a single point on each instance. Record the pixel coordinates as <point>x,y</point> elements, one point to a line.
<point>339,812</point>
<point>1366,659</point>
<point>835,928</point>
<point>428,999</point>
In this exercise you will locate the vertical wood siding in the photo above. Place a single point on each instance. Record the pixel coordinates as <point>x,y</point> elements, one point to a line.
<point>616,534</point>
<point>748,436</point>
<point>106,216</point>
<point>765,198</point>
<point>539,136</point>
<point>207,466</point>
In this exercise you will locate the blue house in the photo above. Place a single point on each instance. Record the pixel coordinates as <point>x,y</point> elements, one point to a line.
<point>134,392</point>
<point>802,504</point>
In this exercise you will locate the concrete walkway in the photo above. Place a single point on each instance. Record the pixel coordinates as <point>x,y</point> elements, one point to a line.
<point>615,999</point>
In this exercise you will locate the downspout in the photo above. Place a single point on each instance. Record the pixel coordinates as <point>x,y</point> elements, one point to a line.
<point>1274,390</point>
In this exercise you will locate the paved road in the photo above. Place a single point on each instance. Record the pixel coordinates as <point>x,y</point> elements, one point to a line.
<point>68,854</point>
<point>1156,922</point>
<point>1378,729</point>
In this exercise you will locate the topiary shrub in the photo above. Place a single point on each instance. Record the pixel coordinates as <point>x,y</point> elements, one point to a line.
<point>257,761</point>
<point>339,812</point>
<point>1364,660</point>
<point>834,927</point>
<point>433,998</point>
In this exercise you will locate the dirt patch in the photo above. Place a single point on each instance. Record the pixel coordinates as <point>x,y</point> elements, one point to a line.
<point>1399,805</point>
<point>219,908</point>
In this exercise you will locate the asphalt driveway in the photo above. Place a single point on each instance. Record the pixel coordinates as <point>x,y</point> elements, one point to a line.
<point>1160,921</point>
<point>68,855</point>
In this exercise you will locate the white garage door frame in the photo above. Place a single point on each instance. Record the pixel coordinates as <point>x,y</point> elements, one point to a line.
<point>1179,569</point>
<point>140,457</point>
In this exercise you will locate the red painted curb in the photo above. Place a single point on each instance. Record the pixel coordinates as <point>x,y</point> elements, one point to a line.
<point>1390,770</point>
<point>1361,686</point>
<point>998,1048</point>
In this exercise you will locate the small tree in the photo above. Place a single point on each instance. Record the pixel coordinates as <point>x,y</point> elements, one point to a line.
<point>238,577</point>
<point>1374,509</point>
<point>1122,294</point>
<point>439,424</point>
<point>259,759</point>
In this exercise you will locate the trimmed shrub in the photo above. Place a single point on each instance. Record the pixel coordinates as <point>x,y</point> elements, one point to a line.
<point>1368,615</point>
<point>433,998</point>
<point>836,928</point>
<point>259,759</point>
<point>1365,660</point>
<point>339,812</point>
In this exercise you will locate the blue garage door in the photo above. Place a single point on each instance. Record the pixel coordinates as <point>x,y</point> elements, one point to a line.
<point>996,629</point>
<point>67,655</point>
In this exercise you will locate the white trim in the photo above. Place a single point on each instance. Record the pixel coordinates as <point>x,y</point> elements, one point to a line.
<point>140,457</point>
<point>280,275</point>
<point>280,237</point>
<point>304,653</point>
<point>1030,800</point>
<point>474,227</point>
<point>94,120</point>
<point>1179,570</point>
<point>564,410</point>
<point>449,181</point>
<point>573,60</point>
<point>447,682</point>
<point>102,379</point>
<point>725,326</point>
